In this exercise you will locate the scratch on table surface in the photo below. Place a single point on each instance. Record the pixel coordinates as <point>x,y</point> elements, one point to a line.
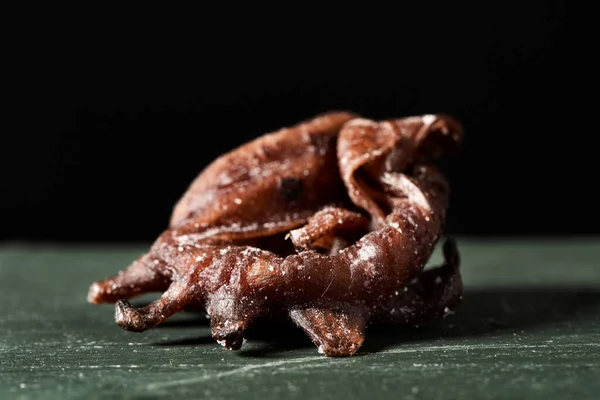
<point>463,347</point>
<point>251,367</point>
<point>235,371</point>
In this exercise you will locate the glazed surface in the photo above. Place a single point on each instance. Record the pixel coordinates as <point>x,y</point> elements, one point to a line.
<point>330,222</point>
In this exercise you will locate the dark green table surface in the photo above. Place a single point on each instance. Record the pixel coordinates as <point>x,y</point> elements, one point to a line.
<point>529,328</point>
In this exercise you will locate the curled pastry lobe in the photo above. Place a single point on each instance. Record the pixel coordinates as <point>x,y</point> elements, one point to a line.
<point>268,181</point>
<point>367,150</point>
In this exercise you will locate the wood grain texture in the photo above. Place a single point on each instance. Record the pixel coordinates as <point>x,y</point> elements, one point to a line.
<point>529,328</point>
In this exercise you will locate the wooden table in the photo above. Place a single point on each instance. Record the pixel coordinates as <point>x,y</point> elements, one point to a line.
<point>529,328</point>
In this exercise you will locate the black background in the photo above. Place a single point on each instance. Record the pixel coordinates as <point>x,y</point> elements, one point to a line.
<point>114,117</point>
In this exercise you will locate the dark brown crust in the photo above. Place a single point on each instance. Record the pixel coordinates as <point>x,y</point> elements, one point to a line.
<point>331,220</point>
